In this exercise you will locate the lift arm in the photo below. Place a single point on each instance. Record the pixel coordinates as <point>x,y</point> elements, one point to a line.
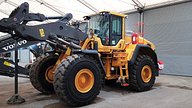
<point>16,25</point>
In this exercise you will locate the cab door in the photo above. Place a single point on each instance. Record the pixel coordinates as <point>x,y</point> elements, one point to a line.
<point>111,31</point>
<point>115,30</point>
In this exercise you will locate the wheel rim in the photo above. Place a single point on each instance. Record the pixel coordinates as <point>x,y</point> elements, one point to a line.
<point>49,74</point>
<point>146,74</point>
<point>84,80</point>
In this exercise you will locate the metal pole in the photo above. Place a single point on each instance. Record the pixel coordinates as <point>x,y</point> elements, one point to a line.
<point>16,68</point>
<point>88,6</point>
<point>141,26</point>
<point>140,9</point>
<point>16,98</point>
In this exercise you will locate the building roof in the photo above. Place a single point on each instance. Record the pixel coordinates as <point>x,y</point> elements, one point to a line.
<point>76,7</point>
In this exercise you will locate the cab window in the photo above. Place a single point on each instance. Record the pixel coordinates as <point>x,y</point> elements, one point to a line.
<point>116,29</point>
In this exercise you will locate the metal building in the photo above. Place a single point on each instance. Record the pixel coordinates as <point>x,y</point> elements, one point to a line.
<point>169,26</point>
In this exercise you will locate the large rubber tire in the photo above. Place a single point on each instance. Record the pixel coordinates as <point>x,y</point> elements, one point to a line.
<point>37,73</point>
<point>135,80</point>
<point>64,82</point>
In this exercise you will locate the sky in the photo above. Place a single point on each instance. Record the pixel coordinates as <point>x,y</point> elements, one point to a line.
<point>72,6</point>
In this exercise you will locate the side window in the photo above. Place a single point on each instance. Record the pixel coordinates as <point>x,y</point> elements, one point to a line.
<point>116,29</point>
<point>104,33</point>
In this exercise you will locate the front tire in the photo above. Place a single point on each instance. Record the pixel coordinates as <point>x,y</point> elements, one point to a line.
<point>142,74</point>
<point>40,73</point>
<point>78,80</point>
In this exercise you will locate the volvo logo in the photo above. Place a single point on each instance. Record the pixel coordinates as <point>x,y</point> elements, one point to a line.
<point>12,46</point>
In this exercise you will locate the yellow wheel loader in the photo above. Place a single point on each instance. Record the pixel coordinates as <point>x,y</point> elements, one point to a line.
<point>107,54</point>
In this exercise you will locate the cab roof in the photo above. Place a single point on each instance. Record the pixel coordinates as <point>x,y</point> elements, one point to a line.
<point>110,12</point>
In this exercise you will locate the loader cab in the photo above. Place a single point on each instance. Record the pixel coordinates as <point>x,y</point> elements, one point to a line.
<point>107,26</point>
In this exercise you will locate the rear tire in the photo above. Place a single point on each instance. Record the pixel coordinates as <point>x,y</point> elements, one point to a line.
<point>138,80</point>
<point>66,82</point>
<point>37,73</point>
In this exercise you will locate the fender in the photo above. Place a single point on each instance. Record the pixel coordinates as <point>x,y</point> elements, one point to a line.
<point>144,49</point>
<point>93,53</point>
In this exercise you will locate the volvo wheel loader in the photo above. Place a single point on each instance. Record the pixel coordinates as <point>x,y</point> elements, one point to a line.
<point>81,62</point>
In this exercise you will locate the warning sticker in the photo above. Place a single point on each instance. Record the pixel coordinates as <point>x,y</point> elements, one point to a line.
<point>8,64</point>
<point>42,32</point>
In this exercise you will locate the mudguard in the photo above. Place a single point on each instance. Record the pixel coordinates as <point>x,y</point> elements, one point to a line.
<point>145,49</point>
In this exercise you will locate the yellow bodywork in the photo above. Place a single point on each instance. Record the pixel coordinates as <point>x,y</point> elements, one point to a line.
<point>116,56</point>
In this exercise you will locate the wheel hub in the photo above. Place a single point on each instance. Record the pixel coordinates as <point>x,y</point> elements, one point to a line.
<point>146,74</point>
<point>49,74</point>
<point>84,80</point>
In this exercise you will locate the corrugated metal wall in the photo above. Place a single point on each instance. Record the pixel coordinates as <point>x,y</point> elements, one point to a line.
<point>170,28</point>
<point>132,22</point>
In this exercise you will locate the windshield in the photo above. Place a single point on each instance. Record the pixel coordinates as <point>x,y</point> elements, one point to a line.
<point>100,26</point>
